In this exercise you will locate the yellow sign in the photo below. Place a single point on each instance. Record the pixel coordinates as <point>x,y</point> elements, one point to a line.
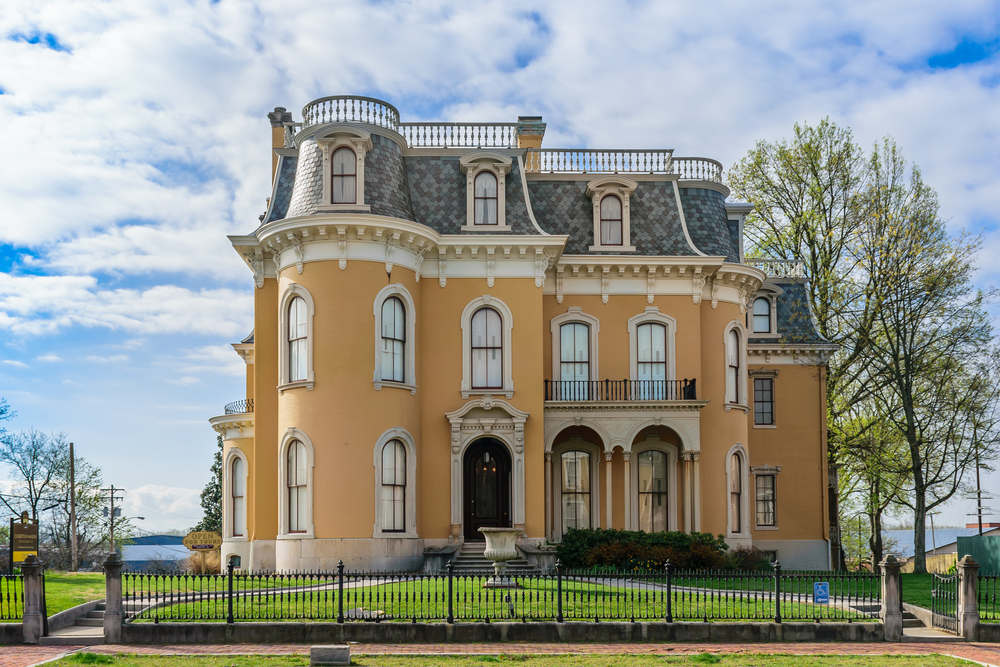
<point>203,539</point>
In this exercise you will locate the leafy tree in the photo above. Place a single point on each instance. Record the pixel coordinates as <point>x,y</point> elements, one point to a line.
<point>211,495</point>
<point>92,529</point>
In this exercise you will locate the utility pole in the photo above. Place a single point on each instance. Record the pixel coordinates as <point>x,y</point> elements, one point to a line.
<point>72,509</point>
<point>980,510</point>
<point>112,491</point>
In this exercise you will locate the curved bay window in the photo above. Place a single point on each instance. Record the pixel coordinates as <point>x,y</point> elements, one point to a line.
<point>485,199</point>
<point>652,491</point>
<point>393,340</point>
<point>393,487</point>
<point>298,510</point>
<point>761,315</point>
<point>651,346</point>
<point>237,486</point>
<point>735,494</point>
<point>733,367</point>
<point>343,175</point>
<point>574,361</point>
<point>487,349</point>
<point>611,220</point>
<point>575,490</point>
<point>298,331</point>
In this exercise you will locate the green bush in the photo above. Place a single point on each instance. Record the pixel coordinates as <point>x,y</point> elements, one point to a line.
<point>607,547</point>
<point>747,558</point>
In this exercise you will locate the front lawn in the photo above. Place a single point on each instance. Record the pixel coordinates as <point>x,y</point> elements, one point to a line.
<point>63,590</point>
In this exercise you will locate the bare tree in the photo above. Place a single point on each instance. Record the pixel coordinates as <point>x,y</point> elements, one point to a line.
<point>91,528</point>
<point>35,458</point>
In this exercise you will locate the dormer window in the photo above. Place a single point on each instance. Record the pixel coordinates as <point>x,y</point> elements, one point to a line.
<point>344,148</point>
<point>486,198</point>
<point>762,318</point>
<point>344,173</point>
<point>762,315</point>
<point>485,173</point>
<point>612,225</point>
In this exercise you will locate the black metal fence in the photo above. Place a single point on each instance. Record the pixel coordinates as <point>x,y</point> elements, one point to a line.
<point>343,596</point>
<point>944,602</point>
<point>989,608</point>
<point>621,390</point>
<point>11,597</point>
<point>242,407</point>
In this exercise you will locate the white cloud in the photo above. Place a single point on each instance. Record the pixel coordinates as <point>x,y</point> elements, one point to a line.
<point>15,363</point>
<point>107,360</point>
<point>165,507</point>
<point>49,357</point>
<point>186,380</point>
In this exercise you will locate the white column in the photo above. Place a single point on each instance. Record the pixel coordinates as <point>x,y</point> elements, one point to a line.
<point>548,495</point>
<point>628,491</point>
<point>695,456</point>
<point>686,489</point>
<point>607,476</point>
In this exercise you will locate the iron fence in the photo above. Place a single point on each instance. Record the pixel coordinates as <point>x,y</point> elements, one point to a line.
<point>621,390</point>
<point>986,599</point>
<point>11,597</point>
<point>242,407</point>
<point>944,602</point>
<point>663,594</point>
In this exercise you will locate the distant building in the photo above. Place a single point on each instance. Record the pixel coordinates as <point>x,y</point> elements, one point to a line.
<point>155,551</point>
<point>942,542</point>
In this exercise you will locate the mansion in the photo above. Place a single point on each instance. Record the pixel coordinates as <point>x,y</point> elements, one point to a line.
<point>456,327</point>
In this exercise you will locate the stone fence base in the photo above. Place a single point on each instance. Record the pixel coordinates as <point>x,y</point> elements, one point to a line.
<point>440,633</point>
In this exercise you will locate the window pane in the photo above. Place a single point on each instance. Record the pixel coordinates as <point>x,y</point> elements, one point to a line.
<point>400,453</point>
<point>239,516</point>
<point>239,478</point>
<point>645,344</point>
<point>399,319</point>
<point>344,162</point>
<point>389,463</point>
<point>761,315</point>
<point>611,232</point>
<point>611,208</point>
<point>495,367</point>
<point>479,368</point>
<point>479,328</point>
<point>293,508</point>
<point>486,185</point>
<point>388,522</point>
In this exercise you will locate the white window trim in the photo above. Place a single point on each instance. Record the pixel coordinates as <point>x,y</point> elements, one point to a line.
<point>623,188</point>
<point>360,142</point>
<point>764,373</point>
<point>227,497</point>
<point>741,376</point>
<point>293,290</point>
<point>507,386</point>
<point>291,435</point>
<point>673,479</point>
<point>769,292</point>
<point>404,437</point>
<point>765,470</point>
<point>574,314</point>
<point>575,443</point>
<point>498,165</point>
<point>651,314</point>
<point>740,451</point>
<point>409,349</point>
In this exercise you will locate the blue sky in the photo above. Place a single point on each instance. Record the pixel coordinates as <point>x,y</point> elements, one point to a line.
<point>135,140</point>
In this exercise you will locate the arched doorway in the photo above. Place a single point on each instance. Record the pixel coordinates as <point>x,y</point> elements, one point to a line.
<point>487,486</point>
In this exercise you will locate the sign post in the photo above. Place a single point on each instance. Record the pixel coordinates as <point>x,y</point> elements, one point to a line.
<point>201,541</point>
<point>821,592</point>
<point>23,539</point>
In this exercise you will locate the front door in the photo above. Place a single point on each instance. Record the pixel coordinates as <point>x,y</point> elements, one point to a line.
<point>486,487</point>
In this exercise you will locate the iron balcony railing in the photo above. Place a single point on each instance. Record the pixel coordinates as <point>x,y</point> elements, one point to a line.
<point>778,268</point>
<point>350,109</point>
<point>621,390</point>
<point>240,407</point>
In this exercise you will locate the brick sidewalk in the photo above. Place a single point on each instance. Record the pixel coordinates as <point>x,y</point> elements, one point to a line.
<point>25,656</point>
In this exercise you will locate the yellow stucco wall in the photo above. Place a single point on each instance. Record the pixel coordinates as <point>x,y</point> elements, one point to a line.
<point>264,469</point>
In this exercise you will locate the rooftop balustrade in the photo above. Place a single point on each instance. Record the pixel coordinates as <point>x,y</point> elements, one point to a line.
<point>459,135</point>
<point>243,407</point>
<point>778,268</point>
<point>350,109</point>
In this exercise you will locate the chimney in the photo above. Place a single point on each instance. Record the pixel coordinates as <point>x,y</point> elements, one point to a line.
<point>278,118</point>
<point>530,130</point>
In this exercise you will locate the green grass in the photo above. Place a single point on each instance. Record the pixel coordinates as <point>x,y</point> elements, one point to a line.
<point>636,659</point>
<point>63,590</point>
<point>917,589</point>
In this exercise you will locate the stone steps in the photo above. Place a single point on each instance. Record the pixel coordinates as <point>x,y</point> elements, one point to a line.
<point>470,559</point>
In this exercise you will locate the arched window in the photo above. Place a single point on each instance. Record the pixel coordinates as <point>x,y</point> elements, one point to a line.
<point>237,485</point>
<point>486,199</point>
<point>733,367</point>
<point>298,492</point>
<point>611,220</point>
<point>762,315</point>
<point>344,174</point>
<point>651,344</point>
<point>393,340</point>
<point>652,491</point>
<point>735,494</point>
<point>487,349</point>
<point>575,490</point>
<point>298,344</point>
<point>574,361</point>
<point>393,487</point>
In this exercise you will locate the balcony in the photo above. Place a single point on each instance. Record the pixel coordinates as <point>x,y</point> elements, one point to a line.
<point>244,407</point>
<point>622,391</point>
<point>778,268</point>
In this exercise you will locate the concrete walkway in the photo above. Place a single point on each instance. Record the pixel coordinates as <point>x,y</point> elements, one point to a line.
<point>985,654</point>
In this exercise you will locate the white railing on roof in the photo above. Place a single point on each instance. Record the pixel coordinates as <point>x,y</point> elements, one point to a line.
<point>598,161</point>
<point>697,169</point>
<point>350,109</point>
<point>459,135</point>
<point>778,268</point>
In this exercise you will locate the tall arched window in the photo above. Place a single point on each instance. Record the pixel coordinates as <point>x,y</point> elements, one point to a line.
<point>651,344</point>
<point>652,491</point>
<point>393,487</point>
<point>611,220</point>
<point>393,340</point>
<point>298,498</point>
<point>487,349</point>
<point>735,494</point>
<point>574,361</point>
<point>486,199</point>
<point>733,367</point>
<point>298,344</point>
<point>237,487</point>
<point>575,490</point>
<point>344,174</point>
<point>761,315</point>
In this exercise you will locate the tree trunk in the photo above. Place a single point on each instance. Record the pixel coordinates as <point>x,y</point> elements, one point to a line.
<point>919,532</point>
<point>875,541</point>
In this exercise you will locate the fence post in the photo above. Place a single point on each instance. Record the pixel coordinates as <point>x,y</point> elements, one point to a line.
<point>777,592</point>
<point>968,599</point>
<point>559,615</point>
<point>892,601</point>
<point>31,623</point>
<point>451,609</point>
<point>340,591</point>
<point>229,590</point>
<point>113,598</point>
<point>670,595</point>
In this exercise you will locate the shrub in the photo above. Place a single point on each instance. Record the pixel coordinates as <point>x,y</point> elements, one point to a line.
<point>607,547</point>
<point>747,558</point>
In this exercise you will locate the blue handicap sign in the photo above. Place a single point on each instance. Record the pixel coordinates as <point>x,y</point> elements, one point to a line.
<point>821,592</point>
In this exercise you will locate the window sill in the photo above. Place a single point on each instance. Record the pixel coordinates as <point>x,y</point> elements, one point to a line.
<point>344,208</point>
<point>506,392</point>
<point>282,388</point>
<point>737,406</point>
<point>765,528</point>
<point>764,426</point>
<point>408,535</point>
<point>297,536</point>
<point>398,385</point>
<point>235,539</point>
<point>768,336</point>
<point>612,248</point>
<point>487,229</point>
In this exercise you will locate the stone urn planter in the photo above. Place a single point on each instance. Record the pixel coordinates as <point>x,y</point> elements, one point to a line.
<point>500,549</point>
